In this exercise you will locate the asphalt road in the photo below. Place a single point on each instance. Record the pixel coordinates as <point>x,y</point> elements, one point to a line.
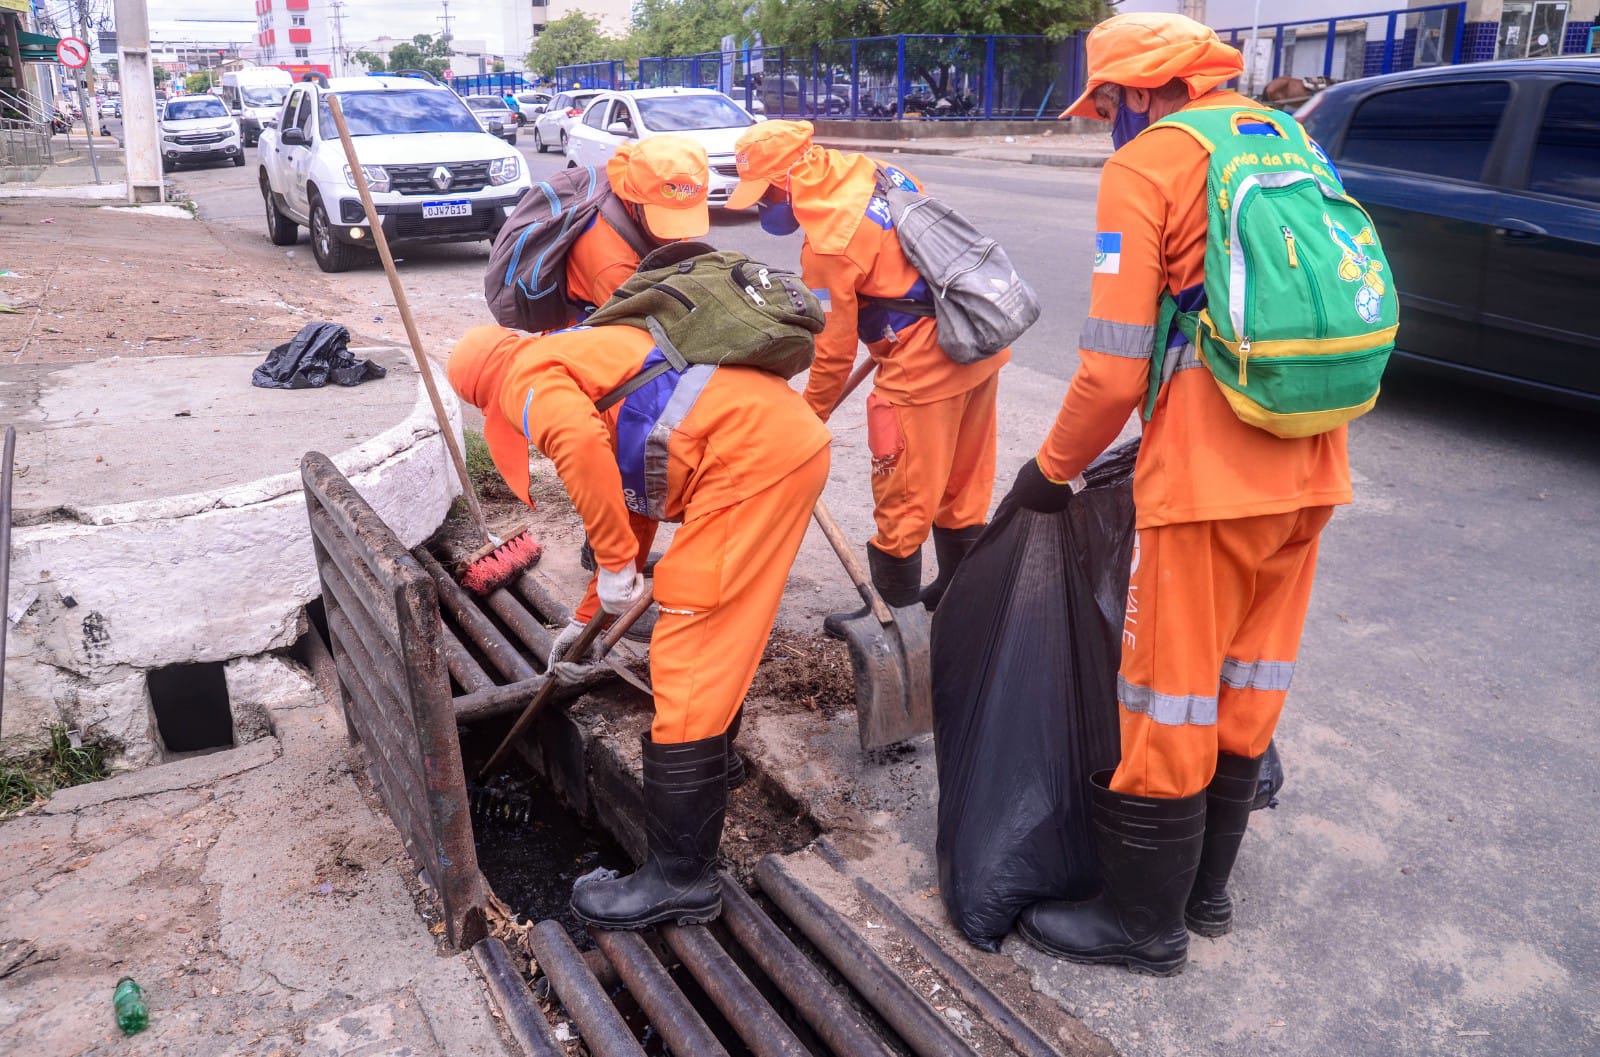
<point>1427,885</point>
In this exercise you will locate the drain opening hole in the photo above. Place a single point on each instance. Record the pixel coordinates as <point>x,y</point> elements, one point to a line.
<point>191,706</point>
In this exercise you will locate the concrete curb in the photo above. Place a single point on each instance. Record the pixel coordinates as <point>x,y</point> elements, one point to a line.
<point>1012,156</point>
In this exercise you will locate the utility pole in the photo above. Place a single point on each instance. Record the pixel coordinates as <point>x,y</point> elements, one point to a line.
<point>91,113</point>
<point>446,18</point>
<point>141,140</point>
<point>338,38</point>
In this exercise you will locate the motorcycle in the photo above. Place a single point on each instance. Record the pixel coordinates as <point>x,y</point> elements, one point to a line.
<point>60,124</point>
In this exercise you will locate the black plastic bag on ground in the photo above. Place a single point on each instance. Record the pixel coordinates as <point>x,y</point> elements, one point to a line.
<point>319,354</point>
<point>1026,644</point>
<point>1271,780</point>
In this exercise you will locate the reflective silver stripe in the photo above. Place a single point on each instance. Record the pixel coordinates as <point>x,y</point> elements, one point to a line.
<point>1133,340</point>
<point>1167,709</point>
<point>1257,675</point>
<point>1181,358</point>
<point>655,446</point>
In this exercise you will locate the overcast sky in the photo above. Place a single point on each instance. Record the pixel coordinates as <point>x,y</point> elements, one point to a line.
<point>364,20</point>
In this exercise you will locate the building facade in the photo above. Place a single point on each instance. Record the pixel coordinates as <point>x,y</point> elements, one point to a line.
<point>292,35</point>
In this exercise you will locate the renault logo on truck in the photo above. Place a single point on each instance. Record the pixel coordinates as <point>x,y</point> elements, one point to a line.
<point>442,177</point>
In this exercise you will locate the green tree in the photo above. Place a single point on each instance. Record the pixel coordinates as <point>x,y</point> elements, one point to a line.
<point>804,22</point>
<point>197,83</point>
<point>571,39</point>
<point>499,66</point>
<point>372,61</point>
<point>112,66</point>
<point>159,75</point>
<point>423,52</point>
<point>684,27</point>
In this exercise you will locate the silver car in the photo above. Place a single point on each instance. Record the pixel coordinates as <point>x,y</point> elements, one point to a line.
<point>550,127</point>
<point>494,115</point>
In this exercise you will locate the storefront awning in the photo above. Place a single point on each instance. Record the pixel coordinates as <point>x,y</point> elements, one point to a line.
<point>36,47</point>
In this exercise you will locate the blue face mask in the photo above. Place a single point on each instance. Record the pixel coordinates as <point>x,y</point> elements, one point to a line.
<point>778,219</point>
<point>1127,125</point>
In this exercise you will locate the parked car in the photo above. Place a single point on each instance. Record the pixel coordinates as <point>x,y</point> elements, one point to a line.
<point>435,174</point>
<point>494,115</point>
<point>531,105</point>
<point>1484,184</point>
<point>702,114</point>
<point>198,128</point>
<point>550,127</point>
<point>111,107</point>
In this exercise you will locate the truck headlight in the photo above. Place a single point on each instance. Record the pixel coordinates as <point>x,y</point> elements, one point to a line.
<point>504,170</point>
<point>377,177</point>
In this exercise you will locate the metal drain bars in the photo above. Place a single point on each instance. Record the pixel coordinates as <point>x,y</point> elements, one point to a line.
<point>736,964</point>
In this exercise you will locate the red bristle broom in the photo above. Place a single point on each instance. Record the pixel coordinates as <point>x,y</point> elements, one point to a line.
<point>495,563</point>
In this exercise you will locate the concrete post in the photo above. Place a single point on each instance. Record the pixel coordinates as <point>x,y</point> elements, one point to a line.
<point>141,136</point>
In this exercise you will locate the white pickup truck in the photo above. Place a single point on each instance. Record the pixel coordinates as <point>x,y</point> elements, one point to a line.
<point>435,174</point>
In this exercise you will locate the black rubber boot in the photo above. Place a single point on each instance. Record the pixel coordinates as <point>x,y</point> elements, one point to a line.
<point>1229,800</point>
<point>950,547</point>
<point>685,799</point>
<point>735,761</point>
<point>898,581</point>
<point>1149,850</point>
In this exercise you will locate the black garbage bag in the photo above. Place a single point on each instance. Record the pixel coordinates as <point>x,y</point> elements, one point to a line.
<point>1271,779</point>
<point>319,354</point>
<point>1026,644</point>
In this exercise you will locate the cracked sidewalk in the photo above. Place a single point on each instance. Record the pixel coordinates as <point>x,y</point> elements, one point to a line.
<point>255,894</point>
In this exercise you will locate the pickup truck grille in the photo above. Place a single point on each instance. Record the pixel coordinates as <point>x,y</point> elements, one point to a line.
<point>725,169</point>
<point>194,138</point>
<point>466,176</point>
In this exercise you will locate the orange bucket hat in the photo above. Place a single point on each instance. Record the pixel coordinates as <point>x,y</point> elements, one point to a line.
<point>477,369</point>
<point>669,176</point>
<point>766,153</point>
<point>1148,50</point>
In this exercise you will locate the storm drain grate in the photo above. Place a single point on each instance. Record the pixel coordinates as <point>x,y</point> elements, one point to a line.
<point>736,965</point>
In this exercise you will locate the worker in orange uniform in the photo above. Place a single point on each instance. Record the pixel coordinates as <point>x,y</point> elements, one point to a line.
<point>744,461</point>
<point>1228,519</point>
<point>930,420</point>
<point>603,257</point>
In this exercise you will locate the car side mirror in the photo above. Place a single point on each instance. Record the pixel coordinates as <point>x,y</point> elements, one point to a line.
<point>621,128</point>
<point>541,108</point>
<point>293,137</point>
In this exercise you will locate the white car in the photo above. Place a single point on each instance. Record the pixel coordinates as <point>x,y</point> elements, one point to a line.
<point>494,115</point>
<point>550,127</point>
<point>702,114</point>
<point>198,128</point>
<point>531,105</point>
<point>435,174</point>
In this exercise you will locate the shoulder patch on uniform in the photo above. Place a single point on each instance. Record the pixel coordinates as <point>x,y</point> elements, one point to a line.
<point>878,213</point>
<point>1108,252</point>
<point>826,298</point>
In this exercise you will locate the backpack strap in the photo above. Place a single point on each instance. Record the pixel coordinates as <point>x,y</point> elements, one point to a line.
<point>905,305</point>
<point>616,213</point>
<point>1169,316</point>
<point>674,362</point>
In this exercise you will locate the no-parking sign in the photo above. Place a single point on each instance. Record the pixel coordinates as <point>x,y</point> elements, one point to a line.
<point>73,53</point>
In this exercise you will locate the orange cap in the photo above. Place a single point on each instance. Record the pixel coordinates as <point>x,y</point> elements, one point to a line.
<point>668,176</point>
<point>479,361</point>
<point>1148,50</point>
<point>766,153</point>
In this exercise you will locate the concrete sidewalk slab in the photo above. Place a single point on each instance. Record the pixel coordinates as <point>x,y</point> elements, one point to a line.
<point>256,895</point>
<point>1048,148</point>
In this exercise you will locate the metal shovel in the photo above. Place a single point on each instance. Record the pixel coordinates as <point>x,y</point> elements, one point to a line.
<point>888,654</point>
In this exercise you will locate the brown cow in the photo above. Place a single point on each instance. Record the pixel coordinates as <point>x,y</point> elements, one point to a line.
<point>1289,93</point>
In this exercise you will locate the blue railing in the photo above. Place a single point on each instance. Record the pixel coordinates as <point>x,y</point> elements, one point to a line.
<point>492,83</point>
<point>1009,77</point>
<point>1352,46</point>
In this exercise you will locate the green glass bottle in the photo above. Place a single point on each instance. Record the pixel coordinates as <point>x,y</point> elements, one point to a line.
<point>128,998</point>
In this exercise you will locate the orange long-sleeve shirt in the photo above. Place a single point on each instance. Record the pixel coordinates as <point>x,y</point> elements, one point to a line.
<point>912,369</point>
<point>746,431</point>
<point>1197,461</point>
<point>599,261</point>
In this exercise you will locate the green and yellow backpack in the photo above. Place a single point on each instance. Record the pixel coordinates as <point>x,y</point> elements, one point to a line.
<point>1301,311</point>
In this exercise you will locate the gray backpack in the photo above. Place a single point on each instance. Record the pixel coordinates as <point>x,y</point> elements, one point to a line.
<point>980,304</point>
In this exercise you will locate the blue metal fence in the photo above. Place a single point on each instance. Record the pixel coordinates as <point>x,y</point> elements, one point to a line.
<point>1351,46</point>
<point>1008,77</point>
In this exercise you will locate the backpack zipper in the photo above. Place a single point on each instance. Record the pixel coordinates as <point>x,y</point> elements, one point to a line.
<point>1288,240</point>
<point>1244,357</point>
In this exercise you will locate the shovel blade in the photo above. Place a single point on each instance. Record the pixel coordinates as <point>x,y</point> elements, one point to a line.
<point>894,698</point>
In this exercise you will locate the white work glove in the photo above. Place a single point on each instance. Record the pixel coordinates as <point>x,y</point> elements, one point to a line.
<point>618,590</point>
<point>569,672</point>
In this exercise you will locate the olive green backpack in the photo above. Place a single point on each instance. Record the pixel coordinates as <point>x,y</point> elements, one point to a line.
<point>1301,310</point>
<point>717,307</point>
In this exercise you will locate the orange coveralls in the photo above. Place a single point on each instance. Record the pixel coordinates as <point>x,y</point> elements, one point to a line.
<point>599,261</point>
<point>1228,515</point>
<point>930,420</point>
<point>744,467</point>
